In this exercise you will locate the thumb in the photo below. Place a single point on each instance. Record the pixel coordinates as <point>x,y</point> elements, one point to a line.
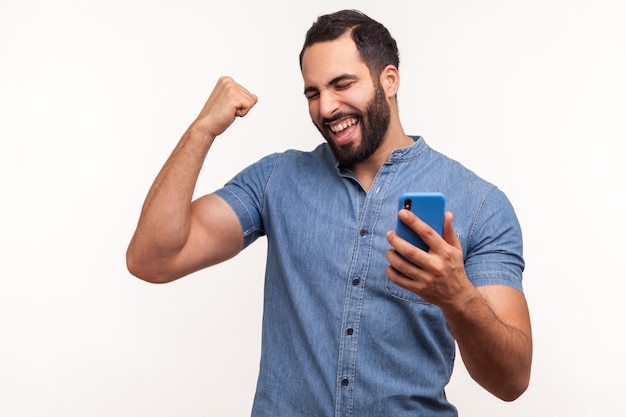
<point>448,231</point>
<point>245,107</point>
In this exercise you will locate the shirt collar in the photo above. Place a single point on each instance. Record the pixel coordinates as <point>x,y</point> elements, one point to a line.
<point>418,147</point>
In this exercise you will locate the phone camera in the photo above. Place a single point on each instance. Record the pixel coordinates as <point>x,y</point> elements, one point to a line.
<point>407,204</point>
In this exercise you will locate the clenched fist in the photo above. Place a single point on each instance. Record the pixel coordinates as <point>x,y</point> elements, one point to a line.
<point>227,101</point>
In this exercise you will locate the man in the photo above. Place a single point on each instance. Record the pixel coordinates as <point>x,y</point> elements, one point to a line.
<point>350,328</point>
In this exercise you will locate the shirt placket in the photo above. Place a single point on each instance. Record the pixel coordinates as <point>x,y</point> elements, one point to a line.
<point>369,209</point>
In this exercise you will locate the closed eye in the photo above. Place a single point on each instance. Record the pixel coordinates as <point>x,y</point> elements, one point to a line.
<point>339,83</point>
<point>312,96</point>
<point>311,93</point>
<point>343,86</point>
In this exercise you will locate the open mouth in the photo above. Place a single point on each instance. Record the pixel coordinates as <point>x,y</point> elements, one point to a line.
<point>342,129</point>
<point>342,125</point>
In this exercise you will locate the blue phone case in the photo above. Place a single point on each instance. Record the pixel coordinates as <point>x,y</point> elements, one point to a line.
<point>428,206</point>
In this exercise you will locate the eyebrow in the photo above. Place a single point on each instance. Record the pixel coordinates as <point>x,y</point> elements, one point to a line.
<point>338,79</point>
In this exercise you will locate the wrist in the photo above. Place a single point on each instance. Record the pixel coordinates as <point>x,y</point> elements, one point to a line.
<point>464,303</point>
<point>201,134</point>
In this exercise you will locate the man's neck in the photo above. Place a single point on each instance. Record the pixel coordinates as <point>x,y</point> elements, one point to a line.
<point>366,171</point>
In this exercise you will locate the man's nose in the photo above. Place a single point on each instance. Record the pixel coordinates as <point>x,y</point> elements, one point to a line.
<point>328,104</point>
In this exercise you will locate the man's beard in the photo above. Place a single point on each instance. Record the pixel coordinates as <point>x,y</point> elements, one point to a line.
<point>373,129</point>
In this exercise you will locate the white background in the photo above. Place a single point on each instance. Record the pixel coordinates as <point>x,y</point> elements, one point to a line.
<point>94,95</point>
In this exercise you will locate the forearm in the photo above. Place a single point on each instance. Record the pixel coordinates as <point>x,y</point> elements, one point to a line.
<point>164,223</point>
<point>497,355</point>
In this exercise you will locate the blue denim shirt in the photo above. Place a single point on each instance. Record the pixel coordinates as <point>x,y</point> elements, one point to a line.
<point>339,338</point>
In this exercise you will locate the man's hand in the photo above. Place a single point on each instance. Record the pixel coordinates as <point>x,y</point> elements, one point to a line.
<point>437,276</point>
<point>227,101</point>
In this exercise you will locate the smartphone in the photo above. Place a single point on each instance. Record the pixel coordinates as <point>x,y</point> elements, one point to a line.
<point>429,207</point>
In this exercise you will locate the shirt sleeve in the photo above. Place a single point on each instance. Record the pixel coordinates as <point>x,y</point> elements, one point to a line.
<point>495,253</point>
<point>246,193</point>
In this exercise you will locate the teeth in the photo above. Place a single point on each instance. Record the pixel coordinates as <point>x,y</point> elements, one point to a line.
<point>342,126</point>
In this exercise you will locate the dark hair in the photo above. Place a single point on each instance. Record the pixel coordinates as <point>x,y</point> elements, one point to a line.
<point>373,41</point>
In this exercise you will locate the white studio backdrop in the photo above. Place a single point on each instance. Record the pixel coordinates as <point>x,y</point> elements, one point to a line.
<point>95,94</point>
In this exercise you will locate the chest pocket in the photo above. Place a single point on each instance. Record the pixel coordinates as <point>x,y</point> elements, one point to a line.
<point>398,292</point>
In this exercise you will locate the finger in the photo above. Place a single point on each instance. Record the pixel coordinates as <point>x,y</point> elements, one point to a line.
<point>411,283</point>
<point>449,235</point>
<point>400,245</point>
<point>412,253</point>
<point>247,104</point>
<point>403,255</point>
<point>398,278</point>
<point>396,261</point>
<point>423,229</point>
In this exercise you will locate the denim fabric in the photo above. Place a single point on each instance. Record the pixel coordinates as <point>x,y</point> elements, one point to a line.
<point>339,338</point>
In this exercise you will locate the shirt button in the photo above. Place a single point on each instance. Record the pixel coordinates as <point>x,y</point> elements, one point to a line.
<point>350,331</point>
<point>356,281</point>
<point>344,382</point>
<point>363,232</point>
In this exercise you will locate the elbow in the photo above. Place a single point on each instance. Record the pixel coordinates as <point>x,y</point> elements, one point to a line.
<point>513,393</point>
<point>512,390</point>
<point>518,383</point>
<point>145,270</point>
<point>139,271</point>
<point>506,385</point>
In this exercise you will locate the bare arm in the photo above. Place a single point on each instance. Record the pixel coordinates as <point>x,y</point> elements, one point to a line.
<point>174,235</point>
<point>490,324</point>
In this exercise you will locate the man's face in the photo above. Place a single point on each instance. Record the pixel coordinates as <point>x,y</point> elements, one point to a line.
<point>348,108</point>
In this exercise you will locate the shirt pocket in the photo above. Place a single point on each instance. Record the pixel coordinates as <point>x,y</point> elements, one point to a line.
<point>400,293</point>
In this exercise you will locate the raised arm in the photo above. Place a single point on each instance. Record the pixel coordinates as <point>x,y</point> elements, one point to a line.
<point>175,236</point>
<point>491,324</point>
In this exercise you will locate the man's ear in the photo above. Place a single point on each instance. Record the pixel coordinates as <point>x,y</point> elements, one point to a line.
<point>390,80</point>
